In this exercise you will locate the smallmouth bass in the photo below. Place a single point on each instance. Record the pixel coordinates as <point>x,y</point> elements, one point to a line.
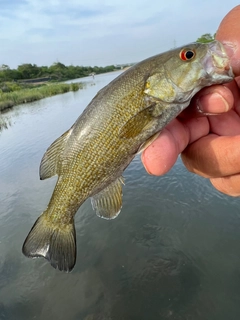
<point>122,118</point>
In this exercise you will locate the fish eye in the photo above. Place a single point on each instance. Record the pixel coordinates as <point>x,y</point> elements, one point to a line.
<point>187,54</point>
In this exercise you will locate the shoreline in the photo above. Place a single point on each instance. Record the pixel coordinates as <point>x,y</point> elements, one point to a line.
<point>10,99</point>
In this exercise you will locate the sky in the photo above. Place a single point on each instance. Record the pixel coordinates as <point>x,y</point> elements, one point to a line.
<point>100,33</point>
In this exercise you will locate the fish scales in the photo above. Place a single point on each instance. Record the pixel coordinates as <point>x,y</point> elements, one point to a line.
<point>123,117</point>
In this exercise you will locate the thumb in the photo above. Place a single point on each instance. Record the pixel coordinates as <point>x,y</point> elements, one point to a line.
<point>228,33</point>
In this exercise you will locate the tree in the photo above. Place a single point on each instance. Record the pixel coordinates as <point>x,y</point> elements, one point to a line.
<point>4,67</point>
<point>29,71</point>
<point>205,38</point>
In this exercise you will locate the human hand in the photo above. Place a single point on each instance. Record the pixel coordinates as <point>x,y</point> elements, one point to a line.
<point>210,145</point>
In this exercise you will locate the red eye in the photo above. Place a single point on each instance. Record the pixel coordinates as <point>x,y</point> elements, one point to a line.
<point>187,54</point>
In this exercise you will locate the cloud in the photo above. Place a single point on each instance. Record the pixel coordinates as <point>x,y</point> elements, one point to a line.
<point>99,33</point>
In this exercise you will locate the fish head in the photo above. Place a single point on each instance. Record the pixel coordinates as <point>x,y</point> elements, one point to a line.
<point>188,69</point>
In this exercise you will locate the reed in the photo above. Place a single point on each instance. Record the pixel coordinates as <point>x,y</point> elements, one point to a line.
<point>19,96</point>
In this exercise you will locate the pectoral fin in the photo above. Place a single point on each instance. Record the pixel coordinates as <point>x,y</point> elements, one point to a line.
<point>148,142</point>
<point>108,202</point>
<point>133,127</point>
<point>50,160</point>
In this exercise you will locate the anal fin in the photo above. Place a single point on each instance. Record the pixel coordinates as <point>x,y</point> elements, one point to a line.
<point>108,202</point>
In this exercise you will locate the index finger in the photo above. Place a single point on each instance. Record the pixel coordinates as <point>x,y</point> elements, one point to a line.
<point>163,152</point>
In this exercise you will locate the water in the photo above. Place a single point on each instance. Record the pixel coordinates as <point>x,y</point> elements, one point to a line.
<point>173,252</point>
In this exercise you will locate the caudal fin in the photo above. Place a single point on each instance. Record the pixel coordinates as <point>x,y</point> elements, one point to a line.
<point>56,244</point>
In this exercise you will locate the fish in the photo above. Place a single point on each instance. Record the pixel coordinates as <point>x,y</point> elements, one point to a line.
<point>120,121</point>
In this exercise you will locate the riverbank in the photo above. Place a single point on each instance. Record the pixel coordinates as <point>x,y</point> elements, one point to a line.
<point>25,95</point>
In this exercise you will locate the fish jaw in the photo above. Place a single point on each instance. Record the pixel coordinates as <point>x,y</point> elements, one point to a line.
<point>217,64</point>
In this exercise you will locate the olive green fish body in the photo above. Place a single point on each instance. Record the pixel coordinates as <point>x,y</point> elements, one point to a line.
<point>91,156</point>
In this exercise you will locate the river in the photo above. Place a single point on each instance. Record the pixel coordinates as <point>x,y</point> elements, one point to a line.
<point>172,253</point>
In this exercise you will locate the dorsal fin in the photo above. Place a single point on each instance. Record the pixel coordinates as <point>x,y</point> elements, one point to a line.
<point>51,158</point>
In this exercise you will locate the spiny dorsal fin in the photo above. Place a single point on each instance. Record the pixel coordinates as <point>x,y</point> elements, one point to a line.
<point>51,158</point>
<point>108,202</point>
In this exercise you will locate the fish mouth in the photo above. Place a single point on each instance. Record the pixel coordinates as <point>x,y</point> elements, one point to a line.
<point>217,63</point>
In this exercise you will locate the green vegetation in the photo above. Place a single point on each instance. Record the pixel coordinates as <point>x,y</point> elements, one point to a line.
<point>29,82</point>
<point>57,72</point>
<point>205,38</point>
<point>12,94</point>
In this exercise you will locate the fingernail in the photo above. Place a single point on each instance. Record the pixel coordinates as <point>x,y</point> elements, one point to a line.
<point>144,164</point>
<point>212,103</point>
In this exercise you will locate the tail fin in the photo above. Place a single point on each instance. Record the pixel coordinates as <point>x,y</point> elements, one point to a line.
<point>57,244</point>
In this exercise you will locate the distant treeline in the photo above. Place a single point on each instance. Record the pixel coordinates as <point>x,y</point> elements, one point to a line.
<point>58,71</point>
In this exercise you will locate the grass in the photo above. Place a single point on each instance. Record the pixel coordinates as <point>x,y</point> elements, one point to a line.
<point>25,95</point>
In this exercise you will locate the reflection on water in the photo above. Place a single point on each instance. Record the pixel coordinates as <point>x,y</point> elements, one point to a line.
<point>173,252</point>
<point>5,123</point>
